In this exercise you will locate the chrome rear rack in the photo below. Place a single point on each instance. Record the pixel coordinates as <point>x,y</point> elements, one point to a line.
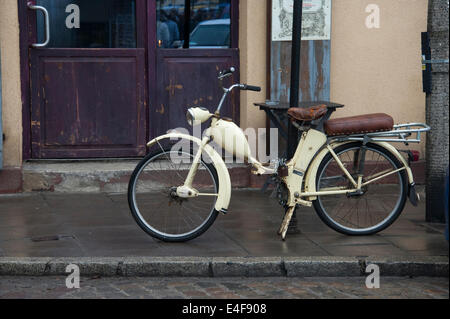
<point>402,133</point>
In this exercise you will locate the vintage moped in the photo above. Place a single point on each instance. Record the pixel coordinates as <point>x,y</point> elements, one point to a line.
<point>345,168</point>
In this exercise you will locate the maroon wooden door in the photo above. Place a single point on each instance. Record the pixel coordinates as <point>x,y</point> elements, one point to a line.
<point>88,85</point>
<point>189,59</point>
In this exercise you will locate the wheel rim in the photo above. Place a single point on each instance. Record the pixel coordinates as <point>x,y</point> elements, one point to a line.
<point>153,195</point>
<point>379,201</point>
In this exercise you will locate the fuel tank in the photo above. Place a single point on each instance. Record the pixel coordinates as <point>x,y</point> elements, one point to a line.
<point>231,138</point>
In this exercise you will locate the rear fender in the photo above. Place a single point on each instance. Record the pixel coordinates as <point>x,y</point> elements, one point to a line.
<point>399,156</point>
<point>412,194</point>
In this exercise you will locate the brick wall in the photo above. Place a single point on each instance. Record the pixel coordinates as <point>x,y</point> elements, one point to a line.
<point>437,111</point>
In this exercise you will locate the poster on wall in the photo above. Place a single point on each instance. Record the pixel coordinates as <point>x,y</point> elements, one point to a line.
<point>316,23</point>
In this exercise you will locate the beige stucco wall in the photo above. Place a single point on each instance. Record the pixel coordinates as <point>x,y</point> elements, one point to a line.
<point>12,106</point>
<point>253,70</point>
<point>372,70</point>
<point>379,70</point>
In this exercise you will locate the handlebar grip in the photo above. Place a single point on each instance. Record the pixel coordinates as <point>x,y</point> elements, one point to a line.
<point>251,88</point>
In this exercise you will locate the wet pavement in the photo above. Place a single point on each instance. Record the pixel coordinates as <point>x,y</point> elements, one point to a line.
<point>52,225</point>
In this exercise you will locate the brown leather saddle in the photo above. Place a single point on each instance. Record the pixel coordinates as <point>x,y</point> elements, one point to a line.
<point>361,124</point>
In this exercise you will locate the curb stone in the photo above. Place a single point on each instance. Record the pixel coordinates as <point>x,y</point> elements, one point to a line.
<point>94,266</point>
<point>247,267</point>
<point>416,266</point>
<point>322,267</point>
<point>327,266</point>
<point>23,266</point>
<point>166,267</point>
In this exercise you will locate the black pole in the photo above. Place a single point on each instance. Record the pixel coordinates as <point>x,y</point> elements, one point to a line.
<point>295,72</point>
<point>187,24</point>
<point>295,89</point>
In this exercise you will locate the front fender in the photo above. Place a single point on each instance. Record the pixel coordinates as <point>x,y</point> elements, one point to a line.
<point>311,175</point>
<point>224,197</point>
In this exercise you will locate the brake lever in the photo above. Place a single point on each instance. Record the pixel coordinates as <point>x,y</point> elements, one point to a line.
<point>226,73</point>
<point>223,76</point>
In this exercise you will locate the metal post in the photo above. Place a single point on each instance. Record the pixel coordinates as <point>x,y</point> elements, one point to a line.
<point>295,68</point>
<point>295,88</point>
<point>187,23</point>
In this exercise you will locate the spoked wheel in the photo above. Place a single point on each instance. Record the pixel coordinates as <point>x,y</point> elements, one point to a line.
<point>153,199</point>
<point>378,204</point>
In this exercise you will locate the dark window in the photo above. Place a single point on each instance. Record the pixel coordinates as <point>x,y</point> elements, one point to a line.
<point>193,23</point>
<point>103,24</point>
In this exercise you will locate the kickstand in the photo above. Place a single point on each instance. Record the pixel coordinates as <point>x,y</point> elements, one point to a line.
<point>285,224</point>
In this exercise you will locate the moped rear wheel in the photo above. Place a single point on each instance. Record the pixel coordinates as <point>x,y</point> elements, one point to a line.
<point>379,203</point>
<point>153,199</point>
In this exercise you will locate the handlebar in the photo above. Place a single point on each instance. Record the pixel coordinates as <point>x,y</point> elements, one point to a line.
<point>240,86</point>
<point>250,88</point>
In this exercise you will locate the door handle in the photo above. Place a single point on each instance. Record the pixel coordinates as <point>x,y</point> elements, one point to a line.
<point>47,25</point>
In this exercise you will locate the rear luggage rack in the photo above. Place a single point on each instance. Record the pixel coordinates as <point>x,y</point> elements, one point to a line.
<point>402,133</point>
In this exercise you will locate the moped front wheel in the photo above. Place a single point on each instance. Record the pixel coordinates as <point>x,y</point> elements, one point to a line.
<point>153,199</point>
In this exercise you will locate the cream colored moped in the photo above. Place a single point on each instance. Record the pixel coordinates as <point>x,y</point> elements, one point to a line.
<point>345,168</point>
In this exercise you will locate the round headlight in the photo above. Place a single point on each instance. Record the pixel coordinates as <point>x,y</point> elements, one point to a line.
<point>190,117</point>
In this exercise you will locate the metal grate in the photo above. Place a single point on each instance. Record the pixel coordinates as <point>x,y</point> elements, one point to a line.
<point>402,133</point>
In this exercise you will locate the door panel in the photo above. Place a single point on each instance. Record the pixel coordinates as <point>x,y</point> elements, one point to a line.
<point>91,88</point>
<point>194,40</point>
<point>189,78</point>
<point>88,86</point>
<point>88,103</point>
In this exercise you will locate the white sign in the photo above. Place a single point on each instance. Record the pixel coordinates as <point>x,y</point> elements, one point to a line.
<point>316,23</point>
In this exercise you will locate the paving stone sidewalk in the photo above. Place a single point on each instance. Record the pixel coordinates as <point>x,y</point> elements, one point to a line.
<point>224,288</point>
<point>51,225</point>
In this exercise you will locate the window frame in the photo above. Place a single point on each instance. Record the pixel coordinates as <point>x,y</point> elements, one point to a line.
<point>139,32</point>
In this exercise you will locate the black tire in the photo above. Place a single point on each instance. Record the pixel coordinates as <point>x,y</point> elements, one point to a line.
<point>134,211</point>
<point>392,216</point>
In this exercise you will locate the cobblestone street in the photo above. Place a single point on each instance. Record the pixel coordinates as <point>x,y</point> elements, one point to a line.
<point>224,288</point>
